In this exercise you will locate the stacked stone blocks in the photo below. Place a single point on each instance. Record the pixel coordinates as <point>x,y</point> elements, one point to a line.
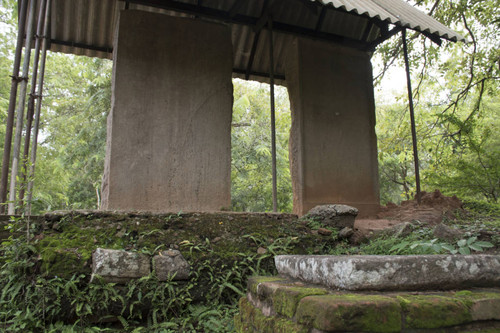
<point>120,266</point>
<point>274,304</point>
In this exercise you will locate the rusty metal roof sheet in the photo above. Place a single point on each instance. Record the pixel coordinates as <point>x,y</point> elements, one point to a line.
<point>86,27</point>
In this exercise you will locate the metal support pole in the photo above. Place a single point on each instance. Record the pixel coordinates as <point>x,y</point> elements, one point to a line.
<point>273,118</point>
<point>31,101</point>
<point>412,117</point>
<point>12,106</point>
<point>20,110</point>
<point>46,39</point>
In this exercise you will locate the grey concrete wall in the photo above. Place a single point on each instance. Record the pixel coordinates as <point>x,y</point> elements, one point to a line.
<point>169,130</point>
<point>333,146</point>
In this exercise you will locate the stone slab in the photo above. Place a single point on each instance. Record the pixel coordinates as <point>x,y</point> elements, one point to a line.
<point>169,128</point>
<point>119,266</point>
<point>171,265</point>
<point>333,145</point>
<point>425,272</point>
<point>334,313</point>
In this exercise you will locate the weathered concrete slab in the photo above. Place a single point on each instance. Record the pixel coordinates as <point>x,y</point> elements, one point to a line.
<point>426,272</point>
<point>119,266</point>
<point>171,264</point>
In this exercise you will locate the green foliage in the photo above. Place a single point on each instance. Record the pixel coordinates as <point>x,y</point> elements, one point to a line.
<point>34,300</point>
<point>463,246</point>
<point>456,105</point>
<point>466,246</point>
<point>71,156</point>
<point>397,179</point>
<point>251,175</point>
<point>482,207</point>
<point>419,247</point>
<point>419,242</point>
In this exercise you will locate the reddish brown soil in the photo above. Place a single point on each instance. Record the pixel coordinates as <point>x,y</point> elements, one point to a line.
<point>434,207</point>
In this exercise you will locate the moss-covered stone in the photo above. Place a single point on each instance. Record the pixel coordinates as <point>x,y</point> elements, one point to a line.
<point>350,312</point>
<point>433,311</point>
<point>238,325</point>
<point>243,321</point>
<point>262,323</point>
<point>255,281</point>
<point>481,305</point>
<point>287,326</point>
<point>286,299</point>
<point>63,263</point>
<point>199,236</point>
<point>251,319</point>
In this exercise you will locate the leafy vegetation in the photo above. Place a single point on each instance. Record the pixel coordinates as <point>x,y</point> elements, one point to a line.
<point>251,149</point>
<point>45,282</point>
<point>32,301</point>
<point>457,107</point>
<point>458,128</point>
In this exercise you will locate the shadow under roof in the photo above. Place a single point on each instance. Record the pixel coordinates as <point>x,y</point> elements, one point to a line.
<point>86,27</point>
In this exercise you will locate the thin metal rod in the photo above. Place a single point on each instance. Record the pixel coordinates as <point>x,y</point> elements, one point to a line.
<point>412,117</point>
<point>273,118</point>
<point>252,54</point>
<point>31,101</point>
<point>36,126</point>
<point>20,109</point>
<point>12,106</point>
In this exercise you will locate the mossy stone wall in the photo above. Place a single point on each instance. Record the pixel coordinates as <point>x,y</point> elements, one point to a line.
<point>65,240</point>
<point>273,302</point>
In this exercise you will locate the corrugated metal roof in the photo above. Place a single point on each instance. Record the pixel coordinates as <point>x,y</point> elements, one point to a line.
<point>414,19</point>
<point>86,27</point>
<point>397,12</point>
<point>362,7</point>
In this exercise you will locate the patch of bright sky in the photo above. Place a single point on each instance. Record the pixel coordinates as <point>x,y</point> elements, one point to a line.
<point>393,83</point>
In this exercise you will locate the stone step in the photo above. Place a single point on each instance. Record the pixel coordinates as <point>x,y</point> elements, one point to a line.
<point>275,304</point>
<point>417,272</point>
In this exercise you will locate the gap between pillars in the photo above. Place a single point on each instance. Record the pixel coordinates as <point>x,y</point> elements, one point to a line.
<point>273,118</point>
<point>412,116</point>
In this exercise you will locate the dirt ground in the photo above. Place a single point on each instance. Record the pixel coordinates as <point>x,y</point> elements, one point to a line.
<point>433,209</point>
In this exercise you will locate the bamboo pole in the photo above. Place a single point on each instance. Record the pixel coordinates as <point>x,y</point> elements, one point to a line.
<point>36,126</point>
<point>32,99</point>
<point>20,110</point>
<point>12,106</point>
<point>273,117</point>
<point>412,117</point>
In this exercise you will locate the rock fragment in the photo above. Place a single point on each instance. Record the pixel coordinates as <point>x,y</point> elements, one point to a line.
<point>346,232</point>
<point>442,231</point>
<point>324,232</point>
<point>171,265</point>
<point>119,266</point>
<point>337,216</point>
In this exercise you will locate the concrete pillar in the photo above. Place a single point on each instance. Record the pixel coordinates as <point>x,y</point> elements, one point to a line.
<point>169,130</point>
<point>333,146</point>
